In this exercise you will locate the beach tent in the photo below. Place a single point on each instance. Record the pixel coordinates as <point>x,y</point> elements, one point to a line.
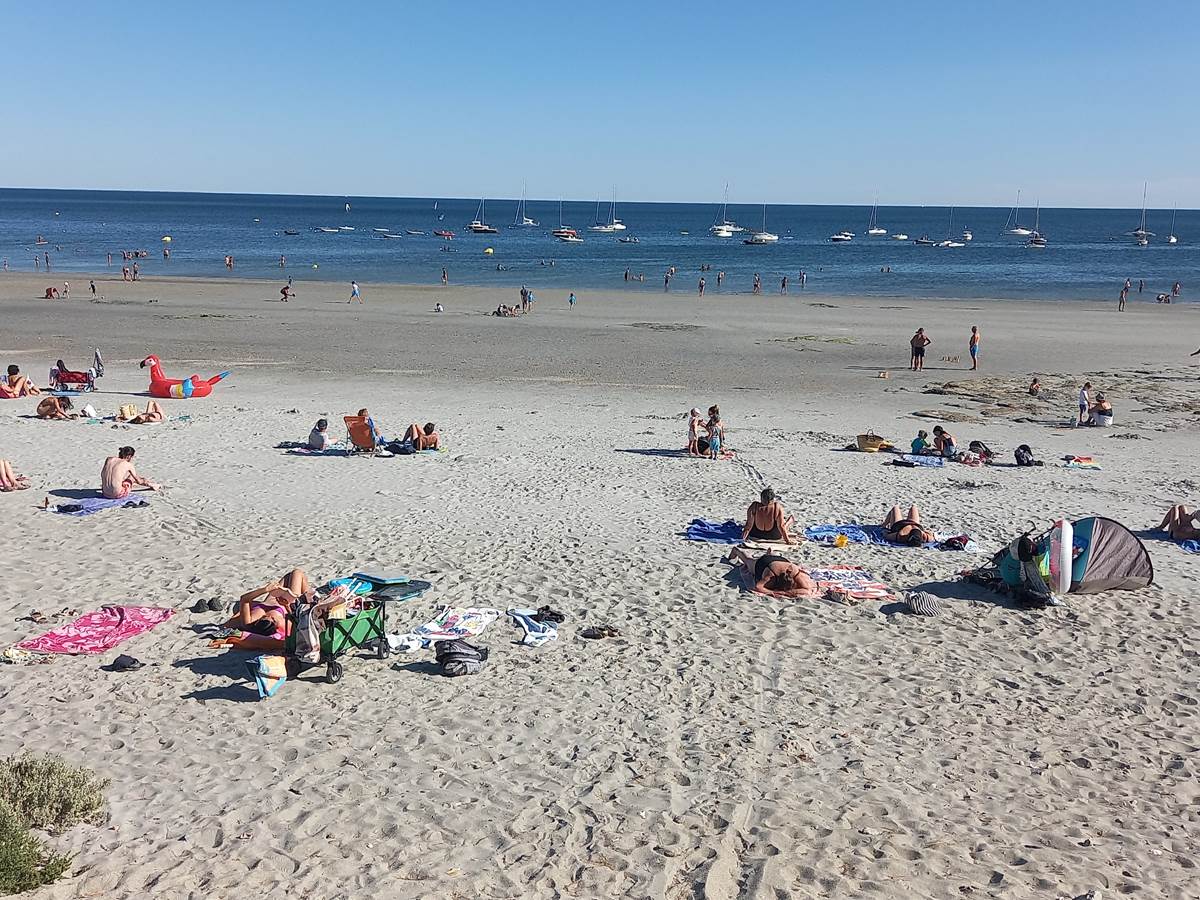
<point>1109,557</point>
<point>1106,556</point>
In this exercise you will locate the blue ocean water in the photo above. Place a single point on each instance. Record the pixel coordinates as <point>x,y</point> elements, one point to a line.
<point>1089,255</point>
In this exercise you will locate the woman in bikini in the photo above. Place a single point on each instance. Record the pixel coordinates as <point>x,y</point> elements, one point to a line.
<point>17,385</point>
<point>263,613</point>
<point>55,408</point>
<point>906,529</point>
<point>766,521</point>
<point>426,438</point>
<point>773,575</point>
<point>1181,524</point>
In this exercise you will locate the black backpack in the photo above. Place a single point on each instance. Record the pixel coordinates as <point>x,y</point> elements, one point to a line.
<point>457,657</point>
<point>1024,456</point>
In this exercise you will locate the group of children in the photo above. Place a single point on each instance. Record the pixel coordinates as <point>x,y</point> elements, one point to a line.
<point>714,433</point>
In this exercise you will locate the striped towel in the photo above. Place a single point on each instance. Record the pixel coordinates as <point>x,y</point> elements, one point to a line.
<point>922,603</point>
<point>852,581</point>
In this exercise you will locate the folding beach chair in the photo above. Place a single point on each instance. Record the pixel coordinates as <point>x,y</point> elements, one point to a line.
<point>362,439</point>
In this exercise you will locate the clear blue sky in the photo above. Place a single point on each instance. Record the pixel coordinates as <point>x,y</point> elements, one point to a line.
<point>1076,103</point>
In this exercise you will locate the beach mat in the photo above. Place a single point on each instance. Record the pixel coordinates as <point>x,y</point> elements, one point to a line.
<point>98,631</point>
<point>712,532</point>
<point>451,623</point>
<point>86,506</point>
<point>854,582</point>
<point>874,534</point>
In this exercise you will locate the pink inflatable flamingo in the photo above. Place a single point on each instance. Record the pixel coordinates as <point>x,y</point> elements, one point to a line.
<point>174,388</point>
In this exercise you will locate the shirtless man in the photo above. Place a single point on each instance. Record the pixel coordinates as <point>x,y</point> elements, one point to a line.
<point>766,521</point>
<point>422,438</point>
<point>18,385</point>
<point>773,575</point>
<point>918,342</point>
<point>118,477</point>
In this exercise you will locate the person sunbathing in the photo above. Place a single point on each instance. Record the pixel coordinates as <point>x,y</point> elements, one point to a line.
<point>773,575</point>
<point>10,480</point>
<point>18,385</point>
<point>1180,524</point>
<point>153,414</point>
<point>118,477</point>
<point>766,521</point>
<point>263,613</point>
<point>420,438</point>
<point>906,529</point>
<point>55,408</point>
<point>380,440</point>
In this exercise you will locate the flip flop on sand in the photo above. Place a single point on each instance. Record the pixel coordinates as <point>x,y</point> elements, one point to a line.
<point>597,632</point>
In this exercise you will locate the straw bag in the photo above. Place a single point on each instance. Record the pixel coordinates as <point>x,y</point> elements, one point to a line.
<point>872,443</point>
<point>128,411</point>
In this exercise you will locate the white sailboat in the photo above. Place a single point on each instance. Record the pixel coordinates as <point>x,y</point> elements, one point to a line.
<point>873,228</point>
<point>1171,238</point>
<point>1013,225</point>
<point>724,226</point>
<point>949,242</point>
<point>762,236</point>
<point>1140,235</point>
<point>522,220</point>
<point>613,224</point>
<point>565,232</point>
<point>1037,240</point>
<point>478,225</point>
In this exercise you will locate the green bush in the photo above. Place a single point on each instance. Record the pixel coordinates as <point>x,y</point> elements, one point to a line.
<point>47,793</point>
<point>24,862</point>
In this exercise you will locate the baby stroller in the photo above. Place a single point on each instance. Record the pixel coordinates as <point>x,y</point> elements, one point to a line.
<point>63,379</point>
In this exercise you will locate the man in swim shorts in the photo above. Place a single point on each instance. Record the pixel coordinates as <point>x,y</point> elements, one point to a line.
<point>973,347</point>
<point>918,342</point>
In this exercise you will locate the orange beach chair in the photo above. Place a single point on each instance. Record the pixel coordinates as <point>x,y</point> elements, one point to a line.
<point>360,433</point>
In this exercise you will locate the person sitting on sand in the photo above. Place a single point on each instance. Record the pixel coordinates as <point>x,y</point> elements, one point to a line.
<point>10,480</point>
<point>1035,388</point>
<point>716,431</point>
<point>264,611</point>
<point>920,443</point>
<point>766,521</point>
<point>380,440</point>
<point>944,442</point>
<point>695,421</point>
<point>1180,524</point>
<point>905,529</point>
<point>1101,410</point>
<point>55,408</point>
<point>420,438</point>
<point>773,575</point>
<point>318,438</point>
<point>17,385</point>
<point>152,415</point>
<point>118,477</point>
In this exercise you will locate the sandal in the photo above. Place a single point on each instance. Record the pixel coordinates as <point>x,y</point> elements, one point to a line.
<point>598,632</point>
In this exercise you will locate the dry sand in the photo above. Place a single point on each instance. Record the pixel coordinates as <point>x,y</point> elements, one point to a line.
<point>727,745</point>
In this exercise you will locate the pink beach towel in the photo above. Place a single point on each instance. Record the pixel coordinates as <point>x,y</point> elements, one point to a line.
<point>98,631</point>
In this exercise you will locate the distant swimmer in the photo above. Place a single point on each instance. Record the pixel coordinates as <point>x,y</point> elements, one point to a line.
<point>445,277</point>
<point>720,278</point>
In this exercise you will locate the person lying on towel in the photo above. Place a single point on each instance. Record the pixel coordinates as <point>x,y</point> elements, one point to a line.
<point>263,613</point>
<point>766,520</point>
<point>906,529</point>
<point>774,576</point>
<point>1181,524</point>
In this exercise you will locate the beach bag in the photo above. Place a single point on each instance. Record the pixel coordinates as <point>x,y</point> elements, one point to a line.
<point>981,449</point>
<point>308,633</point>
<point>127,411</point>
<point>457,657</point>
<point>872,443</point>
<point>1024,456</point>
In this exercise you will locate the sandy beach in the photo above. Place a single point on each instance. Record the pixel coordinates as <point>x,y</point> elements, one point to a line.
<point>726,745</point>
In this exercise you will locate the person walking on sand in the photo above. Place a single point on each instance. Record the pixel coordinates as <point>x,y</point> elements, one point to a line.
<point>918,342</point>
<point>757,289</point>
<point>92,285</point>
<point>571,300</point>
<point>1121,300</point>
<point>700,286</point>
<point>1085,403</point>
<point>355,294</point>
<point>973,347</point>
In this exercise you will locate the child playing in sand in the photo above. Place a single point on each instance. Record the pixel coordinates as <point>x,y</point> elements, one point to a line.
<point>921,442</point>
<point>716,432</point>
<point>694,422</point>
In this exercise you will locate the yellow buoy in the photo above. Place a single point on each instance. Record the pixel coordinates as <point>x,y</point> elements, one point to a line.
<point>167,239</point>
<point>488,252</point>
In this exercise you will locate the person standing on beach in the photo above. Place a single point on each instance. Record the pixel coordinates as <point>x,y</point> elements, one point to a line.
<point>918,342</point>
<point>667,281</point>
<point>355,294</point>
<point>720,277</point>
<point>109,263</point>
<point>626,274</point>
<point>1121,300</point>
<point>803,279</point>
<point>700,286</point>
<point>757,289</point>
<point>1141,285</point>
<point>134,272</point>
<point>571,300</point>
<point>445,277</point>
<point>282,261</point>
<point>1176,288</point>
<point>783,285</point>
<point>47,255</point>
<point>1128,285</point>
<point>92,285</point>
<point>1085,403</point>
<point>973,347</point>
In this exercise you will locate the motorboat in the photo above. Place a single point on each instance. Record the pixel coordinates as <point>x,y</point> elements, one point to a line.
<point>392,237</point>
<point>291,232</point>
<point>721,231</point>
<point>325,230</point>
<point>413,231</point>
<point>841,237</point>
<point>570,239</point>
<point>925,241</point>
<point>345,228</point>
<point>630,239</point>
<point>873,228</point>
<point>565,232</point>
<point>948,244</point>
<point>447,235</point>
<point>382,230</point>
<point>521,219</point>
<point>478,225</point>
<point>900,236</point>
<point>967,235</point>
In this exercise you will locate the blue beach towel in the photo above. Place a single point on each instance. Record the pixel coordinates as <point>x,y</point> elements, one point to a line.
<point>929,462</point>
<point>856,534</point>
<point>1190,546</point>
<point>87,506</point>
<point>710,532</point>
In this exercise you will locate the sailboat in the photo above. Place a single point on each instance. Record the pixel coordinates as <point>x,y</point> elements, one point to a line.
<point>522,219</point>
<point>725,227</point>
<point>347,207</point>
<point>613,224</point>
<point>1013,225</point>
<point>477,224</point>
<point>950,242</point>
<point>762,236</point>
<point>1037,240</point>
<point>873,228</point>
<point>1171,238</point>
<point>1140,235</point>
<point>565,233</point>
